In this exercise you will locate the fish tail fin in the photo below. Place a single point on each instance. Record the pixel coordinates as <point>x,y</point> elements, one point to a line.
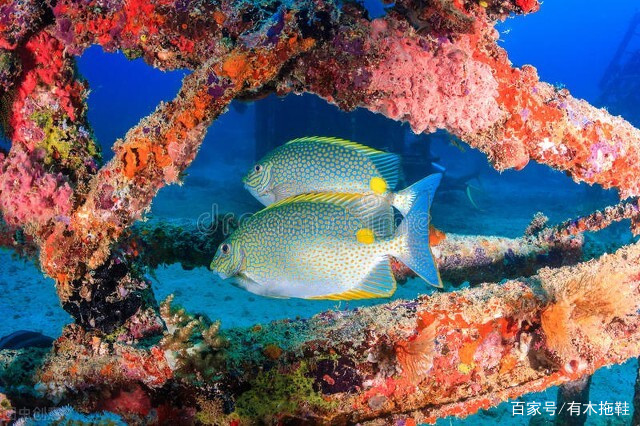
<point>405,199</point>
<point>414,233</point>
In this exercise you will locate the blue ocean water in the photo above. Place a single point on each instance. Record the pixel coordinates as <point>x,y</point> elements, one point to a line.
<point>570,42</point>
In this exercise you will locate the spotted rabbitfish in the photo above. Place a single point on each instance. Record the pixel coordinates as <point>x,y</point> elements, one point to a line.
<point>323,164</point>
<point>329,246</point>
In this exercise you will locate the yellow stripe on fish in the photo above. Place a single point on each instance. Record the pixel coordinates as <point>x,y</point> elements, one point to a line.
<point>328,246</point>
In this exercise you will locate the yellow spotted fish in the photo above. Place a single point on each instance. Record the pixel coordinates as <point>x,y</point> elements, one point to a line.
<point>322,164</point>
<point>329,246</point>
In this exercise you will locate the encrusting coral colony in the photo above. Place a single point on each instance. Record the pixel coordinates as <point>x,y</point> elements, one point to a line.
<point>434,64</point>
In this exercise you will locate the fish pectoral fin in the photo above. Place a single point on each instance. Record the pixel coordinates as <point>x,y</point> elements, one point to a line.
<point>244,282</point>
<point>380,282</point>
<point>282,191</point>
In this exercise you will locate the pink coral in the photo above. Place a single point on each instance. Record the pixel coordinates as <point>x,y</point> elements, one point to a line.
<point>28,194</point>
<point>433,87</point>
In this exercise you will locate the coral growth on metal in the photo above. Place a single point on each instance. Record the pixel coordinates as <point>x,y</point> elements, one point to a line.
<point>434,64</point>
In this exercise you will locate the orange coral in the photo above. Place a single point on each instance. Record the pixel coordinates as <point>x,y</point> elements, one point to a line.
<point>416,356</point>
<point>134,158</point>
<point>585,306</point>
<point>219,17</point>
<point>467,351</point>
<point>508,363</point>
<point>555,323</point>
<point>235,66</point>
<point>436,236</point>
<point>137,154</point>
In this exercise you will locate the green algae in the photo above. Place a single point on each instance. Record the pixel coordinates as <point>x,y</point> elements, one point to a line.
<point>58,141</point>
<point>55,139</point>
<point>274,393</point>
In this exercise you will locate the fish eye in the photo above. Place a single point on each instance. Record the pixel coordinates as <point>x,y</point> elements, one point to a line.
<point>225,248</point>
<point>258,168</point>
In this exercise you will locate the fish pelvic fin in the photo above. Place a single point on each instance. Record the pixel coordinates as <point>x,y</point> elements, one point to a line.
<point>246,283</point>
<point>380,282</point>
<point>413,234</point>
<point>405,199</point>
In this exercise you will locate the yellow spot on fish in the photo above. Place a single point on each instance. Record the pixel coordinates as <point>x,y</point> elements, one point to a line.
<point>466,368</point>
<point>378,185</point>
<point>365,236</point>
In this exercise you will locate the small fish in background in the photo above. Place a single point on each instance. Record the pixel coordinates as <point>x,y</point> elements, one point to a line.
<point>324,164</point>
<point>332,246</point>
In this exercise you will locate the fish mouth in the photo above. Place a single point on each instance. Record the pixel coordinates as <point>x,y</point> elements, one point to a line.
<point>255,190</point>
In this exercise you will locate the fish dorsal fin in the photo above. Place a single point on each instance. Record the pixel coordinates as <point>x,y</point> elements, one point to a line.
<point>387,163</point>
<point>374,211</point>
<point>380,282</point>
